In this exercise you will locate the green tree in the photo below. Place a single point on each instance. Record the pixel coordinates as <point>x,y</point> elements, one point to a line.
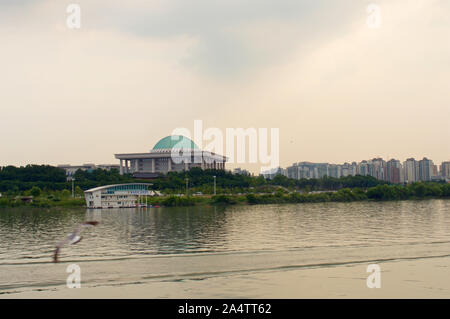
<point>35,191</point>
<point>79,191</point>
<point>65,193</point>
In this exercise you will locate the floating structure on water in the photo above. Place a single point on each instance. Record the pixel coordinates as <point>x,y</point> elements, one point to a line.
<point>119,195</point>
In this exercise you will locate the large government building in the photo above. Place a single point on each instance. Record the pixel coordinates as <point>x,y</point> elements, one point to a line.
<point>172,153</point>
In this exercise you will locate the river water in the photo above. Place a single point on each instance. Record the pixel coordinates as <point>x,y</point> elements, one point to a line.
<point>298,250</point>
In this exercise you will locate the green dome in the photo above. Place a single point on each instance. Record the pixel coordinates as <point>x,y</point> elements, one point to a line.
<point>175,141</point>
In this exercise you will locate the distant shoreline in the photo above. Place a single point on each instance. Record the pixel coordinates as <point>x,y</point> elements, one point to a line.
<point>47,186</point>
<point>374,194</point>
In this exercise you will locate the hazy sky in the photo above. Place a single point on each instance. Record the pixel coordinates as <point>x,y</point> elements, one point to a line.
<point>136,70</point>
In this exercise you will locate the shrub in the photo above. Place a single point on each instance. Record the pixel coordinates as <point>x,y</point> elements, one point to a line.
<point>178,201</point>
<point>251,199</point>
<point>4,202</point>
<point>223,199</point>
<point>35,191</point>
<point>65,193</point>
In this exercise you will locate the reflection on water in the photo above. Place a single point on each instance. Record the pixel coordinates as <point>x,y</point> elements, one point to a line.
<point>136,245</point>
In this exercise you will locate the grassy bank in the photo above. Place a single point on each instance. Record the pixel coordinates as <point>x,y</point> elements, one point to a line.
<point>377,193</point>
<point>43,202</point>
<point>280,196</point>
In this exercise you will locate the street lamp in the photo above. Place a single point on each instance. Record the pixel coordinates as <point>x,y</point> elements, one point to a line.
<point>214,185</point>
<point>73,192</point>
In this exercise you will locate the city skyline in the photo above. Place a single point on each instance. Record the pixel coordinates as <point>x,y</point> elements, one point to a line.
<point>234,166</point>
<point>391,170</point>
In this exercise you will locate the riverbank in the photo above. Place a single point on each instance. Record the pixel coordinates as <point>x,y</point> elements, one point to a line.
<point>344,195</point>
<point>415,191</point>
<point>42,202</point>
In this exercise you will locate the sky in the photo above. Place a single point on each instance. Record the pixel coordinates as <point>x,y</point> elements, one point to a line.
<point>337,89</point>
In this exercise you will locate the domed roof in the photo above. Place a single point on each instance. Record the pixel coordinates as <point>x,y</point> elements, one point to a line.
<point>175,141</point>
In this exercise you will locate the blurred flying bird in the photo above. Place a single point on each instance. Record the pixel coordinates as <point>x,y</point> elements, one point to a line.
<point>72,238</point>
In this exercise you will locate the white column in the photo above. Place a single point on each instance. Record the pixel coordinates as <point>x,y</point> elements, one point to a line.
<point>169,165</point>
<point>121,167</point>
<point>153,165</point>
<point>136,165</point>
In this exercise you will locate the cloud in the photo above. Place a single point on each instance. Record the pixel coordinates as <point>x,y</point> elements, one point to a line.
<point>224,31</point>
<point>134,72</point>
<point>221,28</point>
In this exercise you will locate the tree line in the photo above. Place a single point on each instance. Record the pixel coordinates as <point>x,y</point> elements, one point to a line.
<point>17,180</point>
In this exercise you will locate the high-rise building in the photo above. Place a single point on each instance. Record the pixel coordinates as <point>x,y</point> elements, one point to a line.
<point>393,171</point>
<point>306,170</point>
<point>445,169</point>
<point>379,166</point>
<point>354,169</point>
<point>425,169</point>
<point>292,171</point>
<point>345,168</point>
<point>435,171</point>
<point>322,169</point>
<point>334,170</point>
<point>410,167</point>
<point>363,168</point>
<point>271,173</point>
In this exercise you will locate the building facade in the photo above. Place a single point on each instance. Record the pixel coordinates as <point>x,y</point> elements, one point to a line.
<point>425,170</point>
<point>172,153</point>
<point>392,171</point>
<point>71,169</point>
<point>240,171</point>
<point>445,169</point>
<point>411,170</point>
<point>118,196</point>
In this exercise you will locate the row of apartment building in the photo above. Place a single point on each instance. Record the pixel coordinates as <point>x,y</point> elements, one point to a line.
<point>72,169</point>
<point>392,171</point>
